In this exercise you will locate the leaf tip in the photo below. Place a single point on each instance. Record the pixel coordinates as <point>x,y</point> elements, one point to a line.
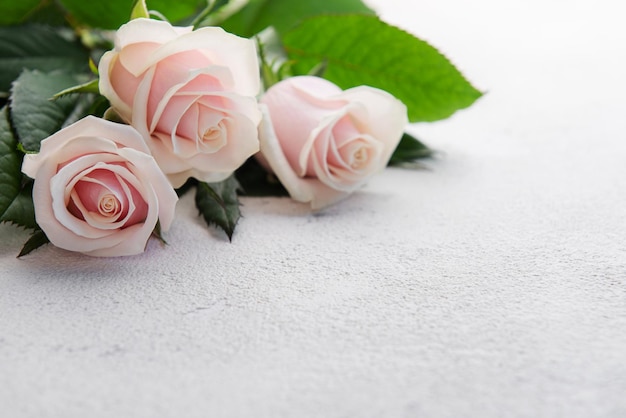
<point>36,240</point>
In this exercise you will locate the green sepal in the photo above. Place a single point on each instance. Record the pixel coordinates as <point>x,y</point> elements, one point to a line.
<point>219,205</point>
<point>204,18</point>
<point>36,240</point>
<point>275,65</point>
<point>319,69</point>
<point>88,87</point>
<point>139,10</point>
<point>93,67</point>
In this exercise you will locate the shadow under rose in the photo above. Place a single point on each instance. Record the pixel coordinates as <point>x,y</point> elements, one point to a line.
<point>50,263</point>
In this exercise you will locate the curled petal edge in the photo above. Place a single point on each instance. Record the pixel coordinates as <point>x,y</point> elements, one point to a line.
<point>305,190</point>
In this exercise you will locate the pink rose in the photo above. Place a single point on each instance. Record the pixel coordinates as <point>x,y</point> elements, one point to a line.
<point>191,94</point>
<point>324,143</point>
<point>97,189</point>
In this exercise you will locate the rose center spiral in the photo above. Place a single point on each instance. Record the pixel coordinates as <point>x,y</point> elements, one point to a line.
<point>359,158</point>
<point>212,134</point>
<point>109,205</point>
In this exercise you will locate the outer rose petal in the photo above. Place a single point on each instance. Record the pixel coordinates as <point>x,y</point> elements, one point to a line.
<point>301,113</point>
<point>386,108</point>
<point>316,126</point>
<point>145,30</point>
<point>223,49</point>
<point>95,144</point>
<point>306,190</point>
<point>155,76</point>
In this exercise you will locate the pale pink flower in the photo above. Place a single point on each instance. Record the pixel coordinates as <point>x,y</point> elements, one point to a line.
<point>191,94</point>
<point>98,190</point>
<point>324,143</point>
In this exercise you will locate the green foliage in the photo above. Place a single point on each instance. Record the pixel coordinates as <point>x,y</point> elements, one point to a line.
<point>10,166</point>
<point>33,114</point>
<point>256,181</point>
<point>408,150</point>
<point>47,12</point>
<point>88,87</point>
<point>21,211</point>
<point>111,14</point>
<point>219,205</point>
<point>363,50</point>
<point>13,12</point>
<point>42,65</point>
<point>16,203</point>
<point>37,47</point>
<point>284,14</point>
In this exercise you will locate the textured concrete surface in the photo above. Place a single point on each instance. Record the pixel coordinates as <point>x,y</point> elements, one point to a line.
<point>491,284</point>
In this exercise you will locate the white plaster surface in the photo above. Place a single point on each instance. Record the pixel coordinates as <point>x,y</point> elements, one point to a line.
<point>491,284</point>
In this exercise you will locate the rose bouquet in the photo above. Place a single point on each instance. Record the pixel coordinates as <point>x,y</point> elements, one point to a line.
<point>105,120</point>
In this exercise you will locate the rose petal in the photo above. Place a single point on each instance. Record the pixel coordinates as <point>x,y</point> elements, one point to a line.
<point>222,48</point>
<point>145,30</point>
<point>179,158</point>
<point>307,190</point>
<point>386,108</point>
<point>195,85</point>
<point>301,121</point>
<point>68,176</point>
<point>105,68</point>
<point>145,169</point>
<point>80,151</point>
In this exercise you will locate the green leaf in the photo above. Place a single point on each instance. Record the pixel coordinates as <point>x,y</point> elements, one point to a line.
<point>285,14</point>
<point>37,47</point>
<point>219,205</point>
<point>408,150</point>
<point>36,240</point>
<point>48,12</point>
<point>12,12</point>
<point>10,165</point>
<point>33,114</point>
<point>256,181</point>
<point>363,50</point>
<point>111,14</point>
<point>21,211</point>
<point>177,10</point>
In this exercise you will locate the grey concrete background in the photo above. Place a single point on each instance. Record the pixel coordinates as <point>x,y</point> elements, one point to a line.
<point>491,284</point>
